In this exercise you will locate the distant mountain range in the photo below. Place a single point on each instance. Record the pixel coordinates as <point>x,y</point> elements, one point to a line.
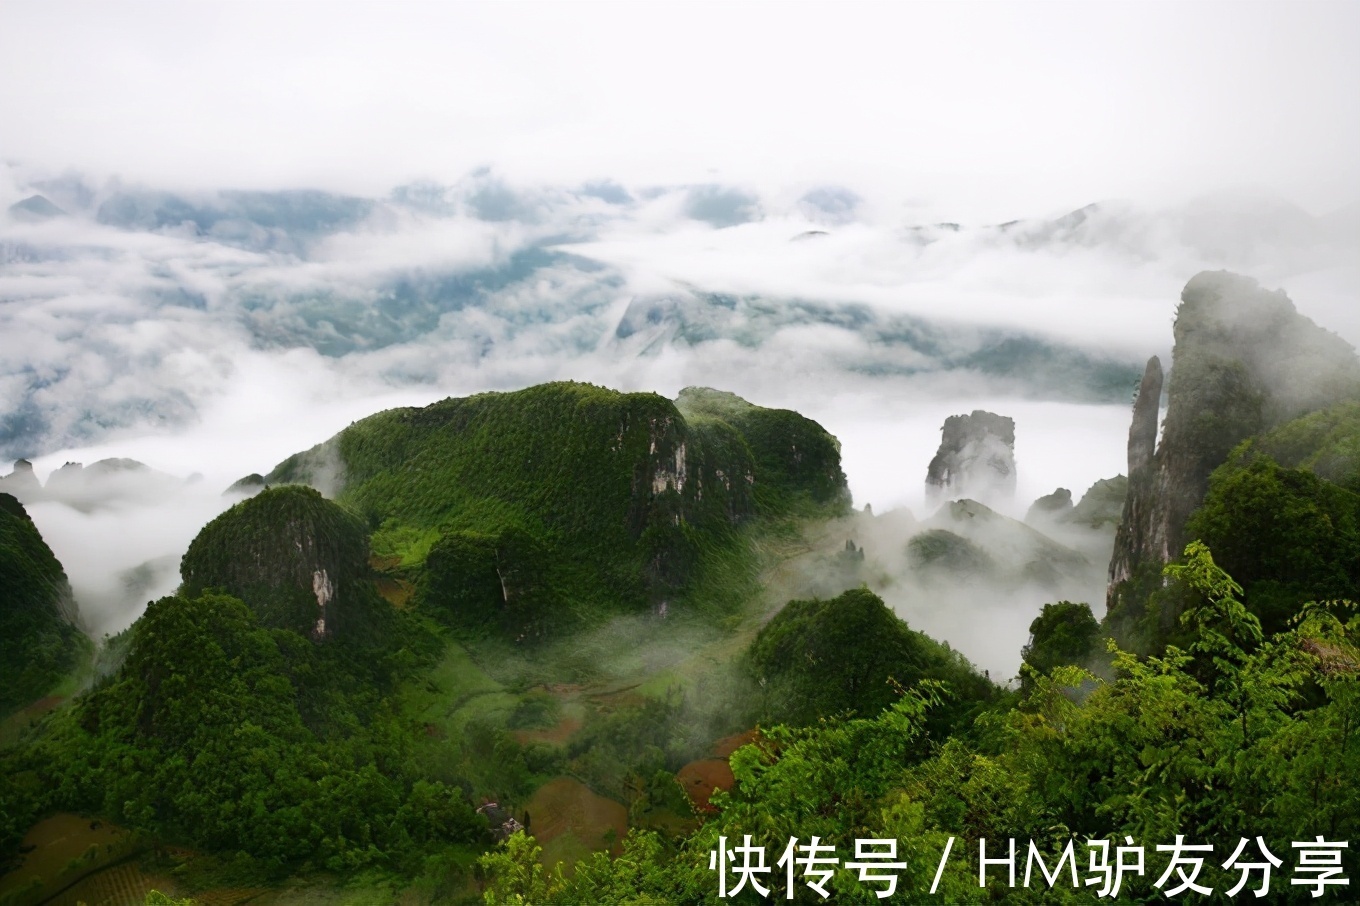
<point>433,283</point>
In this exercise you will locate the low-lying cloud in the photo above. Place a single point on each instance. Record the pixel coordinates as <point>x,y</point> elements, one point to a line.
<point>219,333</point>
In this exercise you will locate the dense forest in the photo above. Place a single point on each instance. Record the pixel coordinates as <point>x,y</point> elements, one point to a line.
<point>566,645</point>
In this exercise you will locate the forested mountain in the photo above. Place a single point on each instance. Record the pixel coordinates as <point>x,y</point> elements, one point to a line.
<point>1233,719</point>
<point>275,707</point>
<point>299,560</point>
<point>40,640</point>
<point>545,508</point>
<point>560,645</point>
<point>1245,363</point>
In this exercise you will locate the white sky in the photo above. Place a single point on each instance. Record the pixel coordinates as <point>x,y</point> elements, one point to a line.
<point>981,111</point>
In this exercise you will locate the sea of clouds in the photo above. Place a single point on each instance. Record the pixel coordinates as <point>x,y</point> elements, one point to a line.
<point>214,333</point>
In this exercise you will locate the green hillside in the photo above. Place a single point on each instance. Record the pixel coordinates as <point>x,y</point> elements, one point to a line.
<point>299,560</point>
<point>1283,514</point>
<point>532,511</point>
<point>851,654</point>
<point>39,645</point>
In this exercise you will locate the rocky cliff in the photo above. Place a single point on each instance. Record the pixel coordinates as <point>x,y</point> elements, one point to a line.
<point>1244,361</point>
<point>567,501</point>
<point>976,459</point>
<point>298,559</point>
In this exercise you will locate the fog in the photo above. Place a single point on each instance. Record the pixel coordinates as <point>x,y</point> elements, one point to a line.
<point>217,333</point>
<point>260,223</point>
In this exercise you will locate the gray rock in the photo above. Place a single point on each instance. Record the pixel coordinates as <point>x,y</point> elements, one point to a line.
<point>976,459</point>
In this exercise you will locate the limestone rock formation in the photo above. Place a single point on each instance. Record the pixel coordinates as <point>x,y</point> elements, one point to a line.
<point>1102,504</point>
<point>1244,361</point>
<point>87,488</point>
<point>1141,536</point>
<point>965,541</point>
<point>536,510</point>
<point>297,559</point>
<point>976,459</point>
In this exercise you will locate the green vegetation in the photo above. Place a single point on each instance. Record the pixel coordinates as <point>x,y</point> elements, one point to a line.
<point>532,513</point>
<point>234,737</point>
<point>1326,443</point>
<point>1288,535</point>
<point>575,617</point>
<point>281,717</point>
<point>299,560</point>
<point>156,898</point>
<point>39,645</point>
<point>1281,512</point>
<point>852,654</point>
<point>1237,735</point>
<point>1102,503</point>
<point>941,555</point>
<point>1062,634</point>
<point>796,459</point>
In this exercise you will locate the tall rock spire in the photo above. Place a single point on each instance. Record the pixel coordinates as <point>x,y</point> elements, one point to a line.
<point>1137,535</point>
<point>1244,361</point>
<point>976,459</point>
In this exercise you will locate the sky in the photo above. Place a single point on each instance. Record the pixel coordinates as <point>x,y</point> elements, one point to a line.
<point>968,111</point>
<point>807,204</point>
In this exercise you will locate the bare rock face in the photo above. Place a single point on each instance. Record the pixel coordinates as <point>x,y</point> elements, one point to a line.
<point>976,459</point>
<point>1141,537</point>
<point>1244,361</point>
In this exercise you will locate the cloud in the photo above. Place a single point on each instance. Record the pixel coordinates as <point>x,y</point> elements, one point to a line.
<point>136,324</point>
<point>195,348</point>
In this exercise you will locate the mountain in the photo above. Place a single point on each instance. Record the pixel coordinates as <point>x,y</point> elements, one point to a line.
<point>1244,362</point>
<point>299,560</point>
<point>531,510</point>
<point>976,458</point>
<point>40,642</point>
<point>276,221</point>
<point>965,541</point>
<point>104,483</point>
<point>35,208</point>
<point>811,661</point>
<point>895,344</point>
<point>1282,515</point>
<point>1100,506</point>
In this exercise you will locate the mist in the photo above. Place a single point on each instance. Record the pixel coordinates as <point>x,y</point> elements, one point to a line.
<point>248,228</point>
<point>215,334</point>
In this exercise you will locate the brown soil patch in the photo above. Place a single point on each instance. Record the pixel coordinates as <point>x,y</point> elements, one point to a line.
<point>116,886</point>
<point>43,705</point>
<point>14,725</point>
<point>616,699</point>
<point>701,778</point>
<point>729,744</point>
<point>72,854</point>
<point>564,805</point>
<point>396,592</point>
